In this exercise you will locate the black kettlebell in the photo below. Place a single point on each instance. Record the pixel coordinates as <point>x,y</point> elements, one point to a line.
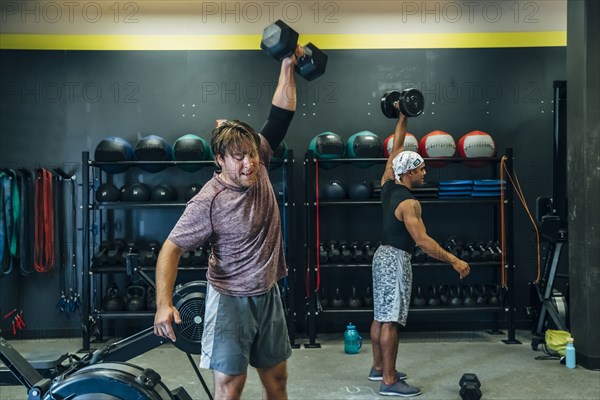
<point>368,297</point>
<point>419,300</point>
<point>345,254</point>
<point>444,295</point>
<point>333,253</point>
<point>455,296</point>
<point>151,299</point>
<point>357,252</point>
<point>354,301</point>
<point>112,301</point>
<point>480,295</point>
<point>135,298</point>
<point>493,295</point>
<point>369,251</point>
<point>434,299</point>
<point>337,299</point>
<point>469,297</point>
<point>323,258</point>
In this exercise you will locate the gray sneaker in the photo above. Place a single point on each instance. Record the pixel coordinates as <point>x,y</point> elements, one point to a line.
<point>375,375</point>
<point>399,388</point>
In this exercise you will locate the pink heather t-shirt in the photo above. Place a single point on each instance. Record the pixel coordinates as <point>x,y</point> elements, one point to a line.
<point>243,227</point>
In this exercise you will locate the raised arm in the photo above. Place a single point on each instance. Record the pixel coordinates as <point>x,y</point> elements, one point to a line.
<point>283,103</point>
<point>397,148</point>
<point>409,211</point>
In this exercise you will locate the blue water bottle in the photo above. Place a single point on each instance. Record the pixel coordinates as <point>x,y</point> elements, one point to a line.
<point>352,340</point>
<point>570,353</point>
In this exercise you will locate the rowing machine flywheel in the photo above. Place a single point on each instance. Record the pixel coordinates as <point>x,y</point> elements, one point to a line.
<point>190,299</point>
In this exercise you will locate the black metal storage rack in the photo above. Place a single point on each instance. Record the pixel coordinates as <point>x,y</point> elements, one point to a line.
<point>311,247</point>
<point>93,315</point>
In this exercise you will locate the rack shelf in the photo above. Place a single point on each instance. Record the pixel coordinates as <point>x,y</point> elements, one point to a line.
<point>319,212</point>
<point>90,207</point>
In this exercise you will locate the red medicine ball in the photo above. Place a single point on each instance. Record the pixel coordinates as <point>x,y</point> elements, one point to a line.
<point>476,144</point>
<point>437,144</point>
<point>410,143</point>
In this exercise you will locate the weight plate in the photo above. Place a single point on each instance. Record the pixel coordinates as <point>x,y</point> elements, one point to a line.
<point>387,103</point>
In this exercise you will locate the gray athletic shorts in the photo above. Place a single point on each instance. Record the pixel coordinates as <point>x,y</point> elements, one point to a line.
<point>244,330</point>
<point>392,283</point>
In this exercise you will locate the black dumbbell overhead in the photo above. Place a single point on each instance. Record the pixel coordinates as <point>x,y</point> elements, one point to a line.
<point>279,40</point>
<point>411,103</point>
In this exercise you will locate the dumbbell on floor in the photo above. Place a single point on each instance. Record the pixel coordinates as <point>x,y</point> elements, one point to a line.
<point>279,40</point>
<point>470,387</point>
<point>410,101</point>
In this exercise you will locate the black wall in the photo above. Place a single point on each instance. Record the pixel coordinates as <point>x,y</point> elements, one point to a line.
<point>56,104</point>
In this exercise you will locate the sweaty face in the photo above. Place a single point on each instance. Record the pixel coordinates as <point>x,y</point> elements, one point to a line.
<point>240,168</point>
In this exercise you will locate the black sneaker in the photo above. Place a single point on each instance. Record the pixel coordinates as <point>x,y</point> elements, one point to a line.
<point>399,388</point>
<point>375,375</point>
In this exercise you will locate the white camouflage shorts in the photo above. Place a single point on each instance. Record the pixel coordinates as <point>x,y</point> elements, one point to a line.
<point>392,283</point>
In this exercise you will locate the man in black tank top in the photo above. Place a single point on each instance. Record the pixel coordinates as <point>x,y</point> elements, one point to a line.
<point>403,227</point>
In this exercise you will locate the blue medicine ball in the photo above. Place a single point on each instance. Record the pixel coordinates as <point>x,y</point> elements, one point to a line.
<point>153,148</point>
<point>114,149</point>
<point>190,148</point>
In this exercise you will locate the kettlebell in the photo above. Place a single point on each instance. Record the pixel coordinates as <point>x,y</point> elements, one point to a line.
<point>151,299</point>
<point>455,296</point>
<point>493,294</point>
<point>345,254</point>
<point>434,299</point>
<point>135,298</point>
<point>112,301</point>
<point>323,258</point>
<point>369,251</point>
<point>357,252</point>
<point>337,299</point>
<point>480,297</point>
<point>419,300</point>
<point>469,299</point>
<point>333,253</point>
<point>368,297</point>
<point>444,297</point>
<point>354,301</point>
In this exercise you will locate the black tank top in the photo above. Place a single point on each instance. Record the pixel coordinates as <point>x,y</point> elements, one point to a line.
<point>394,231</point>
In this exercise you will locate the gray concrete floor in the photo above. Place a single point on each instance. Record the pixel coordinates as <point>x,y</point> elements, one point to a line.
<point>434,362</point>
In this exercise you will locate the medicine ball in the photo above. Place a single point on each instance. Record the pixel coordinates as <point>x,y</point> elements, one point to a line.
<point>114,149</point>
<point>333,190</point>
<point>137,192</point>
<point>476,144</point>
<point>327,145</point>
<point>107,192</point>
<point>190,148</point>
<point>359,190</point>
<point>153,148</point>
<point>364,144</point>
<point>163,192</point>
<point>191,191</point>
<point>437,144</point>
<point>410,143</point>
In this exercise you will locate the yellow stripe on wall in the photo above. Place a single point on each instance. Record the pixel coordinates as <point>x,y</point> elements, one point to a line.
<point>252,42</point>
